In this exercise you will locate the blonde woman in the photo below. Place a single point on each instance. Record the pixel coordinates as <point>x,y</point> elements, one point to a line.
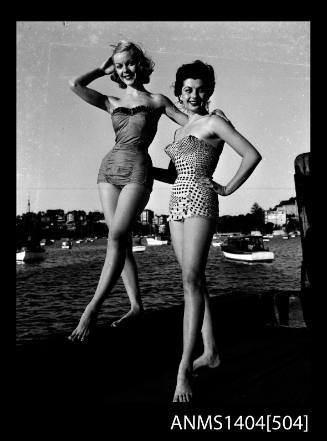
<point>125,176</point>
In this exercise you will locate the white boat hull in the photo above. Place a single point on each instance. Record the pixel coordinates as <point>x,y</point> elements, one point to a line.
<point>30,256</point>
<point>256,256</point>
<point>139,248</point>
<point>153,242</point>
<point>66,245</point>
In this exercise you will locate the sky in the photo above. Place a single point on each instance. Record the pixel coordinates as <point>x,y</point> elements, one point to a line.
<point>262,73</point>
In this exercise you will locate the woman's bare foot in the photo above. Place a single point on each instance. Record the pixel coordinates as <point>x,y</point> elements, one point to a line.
<point>131,315</point>
<point>206,360</point>
<point>184,391</point>
<point>85,324</point>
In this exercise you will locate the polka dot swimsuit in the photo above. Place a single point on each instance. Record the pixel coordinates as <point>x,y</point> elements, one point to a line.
<point>193,158</point>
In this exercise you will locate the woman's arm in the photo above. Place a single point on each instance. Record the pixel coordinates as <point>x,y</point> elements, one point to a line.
<point>91,96</point>
<point>165,175</point>
<point>172,111</point>
<point>250,156</point>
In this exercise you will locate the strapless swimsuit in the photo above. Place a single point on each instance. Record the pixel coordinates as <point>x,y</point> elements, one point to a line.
<point>193,158</point>
<point>129,160</point>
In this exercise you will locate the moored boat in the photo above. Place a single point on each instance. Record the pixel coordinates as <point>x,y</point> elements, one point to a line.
<point>278,233</point>
<point>248,249</point>
<point>67,244</point>
<point>217,240</point>
<point>45,242</point>
<point>256,233</point>
<point>90,239</point>
<point>26,254</point>
<point>156,241</point>
<point>30,250</point>
<point>138,248</point>
<point>217,243</point>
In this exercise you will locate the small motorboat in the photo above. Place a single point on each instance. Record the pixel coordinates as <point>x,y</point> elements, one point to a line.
<point>138,248</point>
<point>256,233</point>
<point>249,249</point>
<point>90,239</point>
<point>33,250</point>
<point>217,240</point>
<point>156,241</point>
<point>29,254</point>
<point>45,242</point>
<point>217,243</point>
<point>67,245</point>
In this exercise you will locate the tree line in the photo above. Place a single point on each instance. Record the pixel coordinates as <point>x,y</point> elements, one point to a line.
<point>31,226</point>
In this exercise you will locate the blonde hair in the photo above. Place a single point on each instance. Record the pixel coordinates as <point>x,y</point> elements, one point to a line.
<point>146,64</point>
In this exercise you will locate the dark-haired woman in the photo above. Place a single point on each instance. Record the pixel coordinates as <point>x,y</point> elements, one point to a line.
<point>193,207</point>
<point>125,176</point>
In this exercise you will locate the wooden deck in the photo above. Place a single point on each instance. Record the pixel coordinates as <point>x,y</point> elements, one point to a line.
<point>265,367</point>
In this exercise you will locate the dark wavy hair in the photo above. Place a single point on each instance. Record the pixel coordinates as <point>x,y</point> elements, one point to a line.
<point>146,65</point>
<point>195,70</point>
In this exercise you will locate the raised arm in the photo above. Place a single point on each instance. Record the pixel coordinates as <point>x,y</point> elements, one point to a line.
<point>172,111</point>
<point>165,175</point>
<point>79,85</point>
<point>250,155</point>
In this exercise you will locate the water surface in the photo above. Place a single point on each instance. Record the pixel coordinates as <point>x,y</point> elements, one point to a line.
<point>52,294</point>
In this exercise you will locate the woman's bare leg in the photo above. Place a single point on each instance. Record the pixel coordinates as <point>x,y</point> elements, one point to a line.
<point>195,235</point>
<point>129,273</point>
<point>131,282</point>
<point>210,357</point>
<point>131,200</point>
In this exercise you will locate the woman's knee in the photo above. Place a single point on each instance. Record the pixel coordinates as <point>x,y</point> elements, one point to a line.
<point>192,280</point>
<point>118,237</point>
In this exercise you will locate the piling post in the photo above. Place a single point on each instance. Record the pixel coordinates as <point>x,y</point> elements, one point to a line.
<point>303,187</point>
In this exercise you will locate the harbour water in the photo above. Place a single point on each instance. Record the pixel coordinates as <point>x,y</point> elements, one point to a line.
<point>52,294</point>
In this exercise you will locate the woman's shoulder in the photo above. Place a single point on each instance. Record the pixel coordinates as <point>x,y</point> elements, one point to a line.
<point>218,114</point>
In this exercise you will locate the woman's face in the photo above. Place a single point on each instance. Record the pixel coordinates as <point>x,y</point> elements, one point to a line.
<point>126,67</point>
<point>194,95</point>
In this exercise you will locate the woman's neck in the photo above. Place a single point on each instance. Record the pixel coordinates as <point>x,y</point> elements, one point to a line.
<point>135,90</point>
<point>192,117</point>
